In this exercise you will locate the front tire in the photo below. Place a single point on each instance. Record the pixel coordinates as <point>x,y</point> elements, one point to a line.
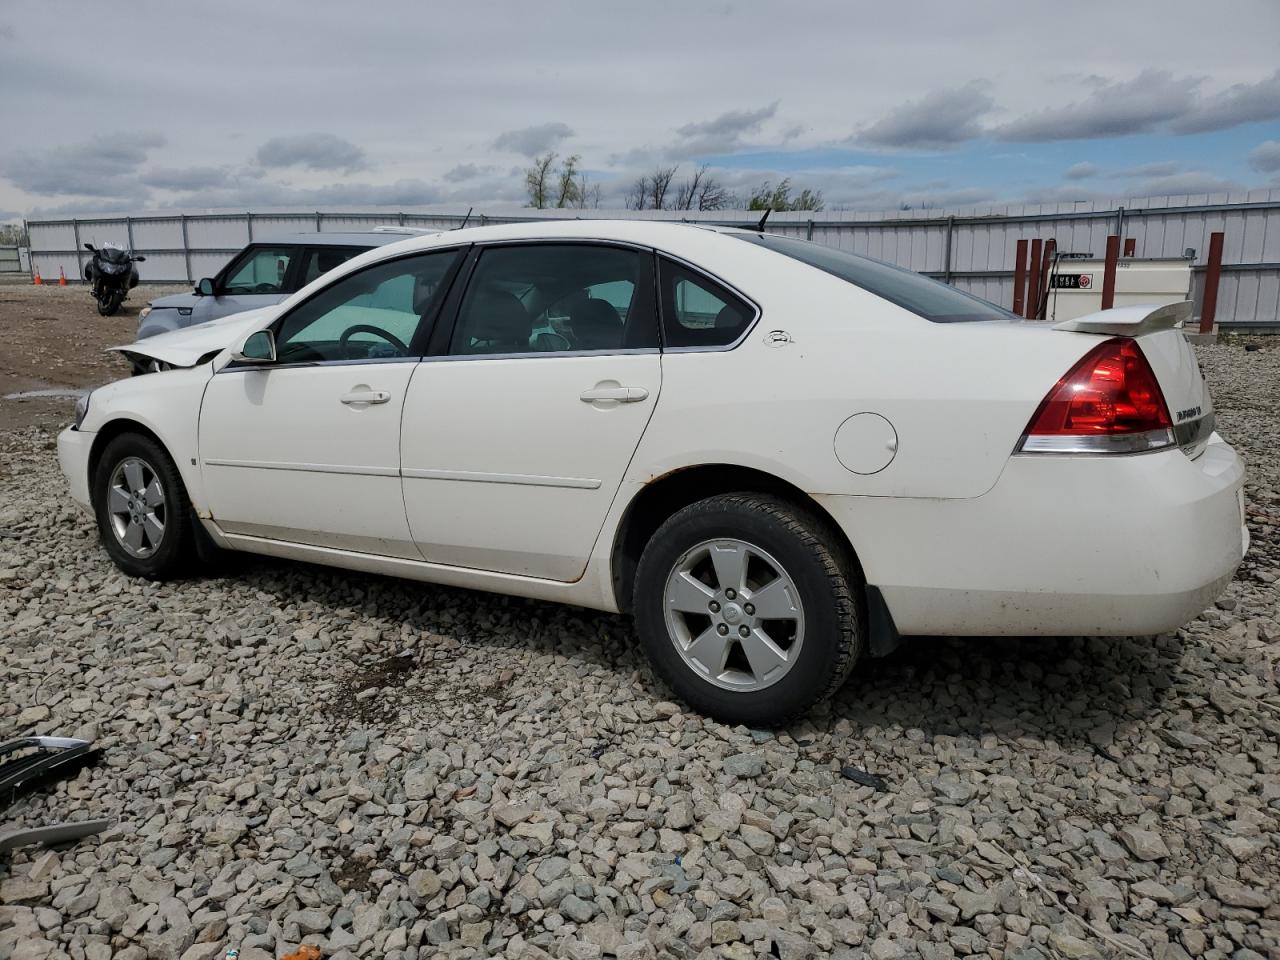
<point>144,515</point>
<point>109,303</point>
<point>749,608</point>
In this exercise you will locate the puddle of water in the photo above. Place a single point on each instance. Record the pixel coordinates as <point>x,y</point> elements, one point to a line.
<point>62,393</point>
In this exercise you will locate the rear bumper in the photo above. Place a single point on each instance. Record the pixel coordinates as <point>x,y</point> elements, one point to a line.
<point>74,447</point>
<point>1060,546</point>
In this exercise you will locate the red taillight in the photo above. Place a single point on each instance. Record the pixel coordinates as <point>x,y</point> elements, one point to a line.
<point>1109,402</point>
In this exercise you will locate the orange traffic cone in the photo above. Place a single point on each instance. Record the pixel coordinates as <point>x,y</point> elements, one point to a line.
<point>62,278</point>
<point>37,281</point>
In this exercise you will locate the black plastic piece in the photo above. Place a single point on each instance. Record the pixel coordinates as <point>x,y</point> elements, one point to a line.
<point>882,634</point>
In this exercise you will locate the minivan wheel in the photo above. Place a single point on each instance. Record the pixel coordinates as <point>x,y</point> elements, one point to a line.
<point>144,516</point>
<point>748,608</point>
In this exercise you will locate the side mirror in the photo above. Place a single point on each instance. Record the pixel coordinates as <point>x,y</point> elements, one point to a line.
<point>138,259</point>
<point>88,246</point>
<point>258,347</point>
<point>205,287</point>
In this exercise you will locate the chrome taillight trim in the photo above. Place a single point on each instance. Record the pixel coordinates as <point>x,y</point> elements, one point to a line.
<point>1112,443</point>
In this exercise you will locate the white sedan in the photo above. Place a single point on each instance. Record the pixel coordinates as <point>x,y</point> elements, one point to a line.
<point>779,457</point>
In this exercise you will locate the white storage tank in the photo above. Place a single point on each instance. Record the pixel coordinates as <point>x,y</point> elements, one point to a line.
<point>1075,284</point>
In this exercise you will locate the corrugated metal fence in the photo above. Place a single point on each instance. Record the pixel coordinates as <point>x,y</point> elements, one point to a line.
<point>971,248</point>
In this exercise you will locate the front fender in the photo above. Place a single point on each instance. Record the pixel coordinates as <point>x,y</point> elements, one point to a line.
<point>166,404</point>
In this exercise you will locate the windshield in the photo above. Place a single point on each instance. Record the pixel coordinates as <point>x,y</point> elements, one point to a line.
<point>926,297</point>
<point>113,254</point>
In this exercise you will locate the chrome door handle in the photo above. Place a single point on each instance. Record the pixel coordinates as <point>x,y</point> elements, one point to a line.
<point>621,394</point>
<point>366,396</point>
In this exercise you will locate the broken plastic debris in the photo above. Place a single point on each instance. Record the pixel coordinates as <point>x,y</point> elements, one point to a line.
<point>864,778</point>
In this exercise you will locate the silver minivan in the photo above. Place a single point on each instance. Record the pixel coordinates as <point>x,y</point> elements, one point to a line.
<point>263,273</point>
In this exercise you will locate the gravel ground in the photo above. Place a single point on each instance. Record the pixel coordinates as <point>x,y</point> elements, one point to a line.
<point>382,769</point>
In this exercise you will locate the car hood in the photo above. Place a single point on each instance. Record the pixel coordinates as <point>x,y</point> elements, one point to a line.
<point>190,345</point>
<point>184,301</point>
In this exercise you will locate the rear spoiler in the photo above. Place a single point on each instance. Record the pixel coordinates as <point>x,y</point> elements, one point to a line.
<point>1131,321</point>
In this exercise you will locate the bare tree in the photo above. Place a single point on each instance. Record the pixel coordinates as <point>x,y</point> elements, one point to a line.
<point>588,195</point>
<point>638,195</point>
<point>687,191</point>
<point>659,184</point>
<point>537,180</point>
<point>712,195</point>
<point>567,184</point>
<point>701,191</point>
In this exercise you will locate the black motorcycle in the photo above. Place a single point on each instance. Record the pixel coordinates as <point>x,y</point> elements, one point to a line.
<point>113,275</point>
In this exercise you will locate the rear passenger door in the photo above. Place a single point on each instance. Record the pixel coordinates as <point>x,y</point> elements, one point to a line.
<point>517,432</point>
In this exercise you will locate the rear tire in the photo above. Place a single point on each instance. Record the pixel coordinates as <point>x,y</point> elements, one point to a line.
<point>761,663</point>
<point>144,516</point>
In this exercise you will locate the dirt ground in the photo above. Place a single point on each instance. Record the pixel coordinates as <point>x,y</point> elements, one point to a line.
<point>53,338</point>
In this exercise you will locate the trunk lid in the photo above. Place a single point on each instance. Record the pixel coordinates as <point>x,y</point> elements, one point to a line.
<point>1158,331</point>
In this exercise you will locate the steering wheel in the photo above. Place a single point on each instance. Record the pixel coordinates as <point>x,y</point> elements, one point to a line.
<point>266,288</point>
<point>376,331</point>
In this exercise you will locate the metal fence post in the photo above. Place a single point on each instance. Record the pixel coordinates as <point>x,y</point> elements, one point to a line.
<point>1020,278</point>
<point>186,247</point>
<point>946,253</point>
<point>808,235</point>
<point>317,221</point>
<point>1109,272</point>
<point>75,231</point>
<point>248,224</point>
<point>1209,310</point>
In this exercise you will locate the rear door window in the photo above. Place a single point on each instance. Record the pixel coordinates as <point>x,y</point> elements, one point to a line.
<point>557,298</point>
<point>698,312</point>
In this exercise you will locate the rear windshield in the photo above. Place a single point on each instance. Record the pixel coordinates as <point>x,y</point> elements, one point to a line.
<point>929,298</point>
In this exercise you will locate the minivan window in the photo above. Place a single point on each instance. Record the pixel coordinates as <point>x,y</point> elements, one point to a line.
<point>922,295</point>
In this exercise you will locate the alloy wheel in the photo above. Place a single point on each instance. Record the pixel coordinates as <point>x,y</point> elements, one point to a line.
<point>734,614</point>
<point>135,503</point>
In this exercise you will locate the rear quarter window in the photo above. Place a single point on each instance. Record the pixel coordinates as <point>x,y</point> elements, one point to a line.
<point>923,296</point>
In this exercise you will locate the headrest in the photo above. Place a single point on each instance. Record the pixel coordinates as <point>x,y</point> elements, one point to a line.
<point>497,315</point>
<point>596,325</point>
<point>728,317</point>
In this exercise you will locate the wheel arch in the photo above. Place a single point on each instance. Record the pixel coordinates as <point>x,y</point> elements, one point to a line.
<point>673,491</point>
<point>108,432</point>
<point>676,489</point>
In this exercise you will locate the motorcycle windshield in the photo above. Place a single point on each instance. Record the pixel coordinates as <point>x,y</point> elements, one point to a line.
<point>113,255</point>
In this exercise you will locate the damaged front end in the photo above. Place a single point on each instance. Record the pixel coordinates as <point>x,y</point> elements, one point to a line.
<point>191,346</point>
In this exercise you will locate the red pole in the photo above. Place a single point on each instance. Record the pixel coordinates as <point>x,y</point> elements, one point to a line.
<point>1109,273</point>
<point>1130,247</point>
<point>1019,277</point>
<point>1033,281</point>
<point>1042,291</point>
<point>1210,308</point>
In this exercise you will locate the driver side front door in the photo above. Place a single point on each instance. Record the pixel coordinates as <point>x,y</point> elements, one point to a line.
<point>307,449</point>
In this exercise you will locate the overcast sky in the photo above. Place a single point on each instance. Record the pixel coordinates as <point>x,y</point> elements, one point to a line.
<point>154,105</point>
